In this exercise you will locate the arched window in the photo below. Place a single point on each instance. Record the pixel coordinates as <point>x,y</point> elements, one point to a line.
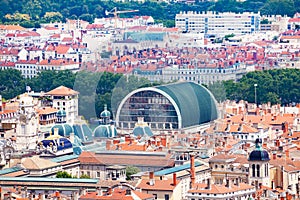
<point>257,170</point>
<point>253,170</point>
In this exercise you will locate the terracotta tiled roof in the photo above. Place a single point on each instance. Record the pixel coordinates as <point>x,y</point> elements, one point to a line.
<point>46,110</point>
<point>219,189</point>
<point>37,163</point>
<point>159,185</point>
<point>87,157</point>
<point>62,91</point>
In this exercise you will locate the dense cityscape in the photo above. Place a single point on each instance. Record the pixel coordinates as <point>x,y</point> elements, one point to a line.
<point>203,106</point>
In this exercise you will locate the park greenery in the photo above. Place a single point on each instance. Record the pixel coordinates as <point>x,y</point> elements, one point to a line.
<point>279,86</point>
<point>130,170</point>
<point>31,13</point>
<point>64,174</point>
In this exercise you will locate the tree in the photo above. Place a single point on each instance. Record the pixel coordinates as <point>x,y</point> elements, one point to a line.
<point>84,176</point>
<point>278,7</point>
<point>33,8</point>
<point>218,90</point>
<point>63,174</point>
<point>12,83</point>
<point>53,17</point>
<point>130,170</point>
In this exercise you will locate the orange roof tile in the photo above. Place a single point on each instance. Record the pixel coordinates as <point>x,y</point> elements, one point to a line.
<point>159,185</point>
<point>62,91</point>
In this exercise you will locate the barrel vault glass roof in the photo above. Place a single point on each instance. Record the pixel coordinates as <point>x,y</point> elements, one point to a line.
<point>196,104</point>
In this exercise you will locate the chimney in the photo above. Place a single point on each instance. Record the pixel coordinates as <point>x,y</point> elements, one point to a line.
<point>58,195</point>
<point>151,178</point>
<point>174,179</point>
<point>158,143</point>
<point>99,191</point>
<point>128,192</point>
<point>286,127</point>
<point>164,141</point>
<point>109,191</point>
<point>108,144</point>
<point>192,170</point>
<point>208,187</point>
<point>127,139</point>
<point>116,141</point>
<point>277,143</point>
<point>274,156</point>
<point>228,183</point>
<point>287,153</point>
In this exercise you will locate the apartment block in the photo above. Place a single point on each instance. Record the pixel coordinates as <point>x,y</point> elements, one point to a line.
<point>218,24</point>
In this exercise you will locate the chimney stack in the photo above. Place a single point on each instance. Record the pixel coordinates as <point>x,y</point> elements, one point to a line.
<point>109,191</point>
<point>287,153</point>
<point>99,191</point>
<point>151,178</point>
<point>174,179</point>
<point>237,182</point>
<point>192,157</point>
<point>228,183</point>
<point>208,187</point>
<point>108,144</point>
<point>274,156</point>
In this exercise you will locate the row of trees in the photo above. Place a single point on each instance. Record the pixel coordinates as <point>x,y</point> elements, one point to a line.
<point>96,89</point>
<point>130,170</point>
<point>280,86</point>
<point>30,13</point>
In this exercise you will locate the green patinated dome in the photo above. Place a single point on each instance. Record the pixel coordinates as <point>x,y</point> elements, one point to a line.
<point>105,131</point>
<point>61,113</point>
<point>63,129</point>
<point>105,113</point>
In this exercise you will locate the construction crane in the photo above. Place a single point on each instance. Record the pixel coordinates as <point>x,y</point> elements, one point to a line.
<point>115,12</point>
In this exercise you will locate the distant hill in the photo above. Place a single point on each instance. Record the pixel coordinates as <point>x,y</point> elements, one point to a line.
<point>30,13</point>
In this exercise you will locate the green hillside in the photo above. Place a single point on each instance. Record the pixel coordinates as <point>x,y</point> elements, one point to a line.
<point>30,13</point>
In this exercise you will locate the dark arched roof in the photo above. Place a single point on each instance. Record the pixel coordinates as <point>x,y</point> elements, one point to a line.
<point>193,103</point>
<point>196,104</point>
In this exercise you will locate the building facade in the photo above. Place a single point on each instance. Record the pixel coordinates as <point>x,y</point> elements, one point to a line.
<point>177,106</point>
<point>218,24</point>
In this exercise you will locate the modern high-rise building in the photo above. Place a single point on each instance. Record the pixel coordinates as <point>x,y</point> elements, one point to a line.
<point>218,24</point>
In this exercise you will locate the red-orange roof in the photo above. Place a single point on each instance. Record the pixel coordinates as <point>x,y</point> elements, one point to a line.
<point>62,91</point>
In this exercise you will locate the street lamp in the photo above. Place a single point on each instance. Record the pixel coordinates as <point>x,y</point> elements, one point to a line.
<point>255,98</point>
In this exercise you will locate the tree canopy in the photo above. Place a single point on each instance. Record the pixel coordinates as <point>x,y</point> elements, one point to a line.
<point>97,89</point>
<point>32,12</point>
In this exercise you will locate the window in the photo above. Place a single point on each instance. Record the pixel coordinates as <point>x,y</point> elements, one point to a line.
<point>155,196</point>
<point>167,197</point>
<point>258,170</point>
<point>253,170</point>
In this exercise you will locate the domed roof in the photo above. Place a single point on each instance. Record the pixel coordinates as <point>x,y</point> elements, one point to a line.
<point>142,130</point>
<point>105,113</point>
<point>61,113</point>
<point>105,131</point>
<point>259,154</point>
<point>63,129</point>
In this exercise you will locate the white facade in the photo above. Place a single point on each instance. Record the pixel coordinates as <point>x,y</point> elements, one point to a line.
<point>31,68</point>
<point>69,104</point>
<point>27,124</point>
<point>218,24</point>
<point>66,99</point>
